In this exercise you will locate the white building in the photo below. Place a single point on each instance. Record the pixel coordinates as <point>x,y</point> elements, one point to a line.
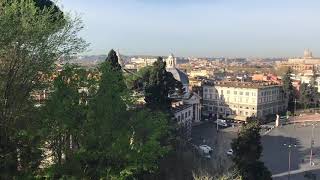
<point>183,114</point>
<point>177,74</point>
<point>189,98</point>
<point>240,100</point>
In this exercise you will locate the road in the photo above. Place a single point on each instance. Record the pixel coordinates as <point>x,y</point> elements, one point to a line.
<point>275,153</point>
<point>219,141</point>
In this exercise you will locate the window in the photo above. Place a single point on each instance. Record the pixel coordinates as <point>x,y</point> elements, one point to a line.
<point>206,96</point>
<point>189,113</point>
<point>253,94</point>
<point>247,93</point>
<point>179,119</point>
<point>228,92</point>
<point>221,91</point>
<point>241,93</point>
<point>205,90</point>
<point>210,96</point>
<point>247,113</point>
<point>235,92</point>
<point>247,100</point>
<point>182,116</point>
<point>186,114</point>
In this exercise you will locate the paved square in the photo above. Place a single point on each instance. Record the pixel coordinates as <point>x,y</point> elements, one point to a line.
<point>275,153</point>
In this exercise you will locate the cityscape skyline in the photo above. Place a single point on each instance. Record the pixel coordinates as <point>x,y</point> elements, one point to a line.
<point>200,28</point>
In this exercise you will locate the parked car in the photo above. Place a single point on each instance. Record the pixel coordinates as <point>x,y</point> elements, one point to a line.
<point>222,122</point>
<point>230,152</point>
<point>205,151</point>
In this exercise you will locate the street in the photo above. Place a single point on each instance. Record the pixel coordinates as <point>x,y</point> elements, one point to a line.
<point>220,142</point>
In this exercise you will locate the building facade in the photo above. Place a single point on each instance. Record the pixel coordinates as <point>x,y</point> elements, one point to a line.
<point>183,114</point>
<point>305,63</point>
<point>240,100</point>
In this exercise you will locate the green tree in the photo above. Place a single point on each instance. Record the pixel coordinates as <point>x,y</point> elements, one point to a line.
<point>247,152</point>
<point>308,95</point>
<point>112,58</point>
<point>159,85</point>
<point>305,93</point>
<point>288,89</point>
<point>30,43</point>
<point>64,115</point>
<point>119,143</point>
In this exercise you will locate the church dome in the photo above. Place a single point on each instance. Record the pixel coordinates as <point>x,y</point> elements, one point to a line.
<point>179,75</point>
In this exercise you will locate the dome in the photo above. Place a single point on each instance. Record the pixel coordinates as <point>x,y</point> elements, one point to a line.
<point>179,75</point>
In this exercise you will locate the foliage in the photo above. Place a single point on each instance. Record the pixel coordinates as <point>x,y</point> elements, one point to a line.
<point>118,143</point>
<point>227,176</point>
<point>158,85</point>
<point>63,119</point>
<point>112,58</point>
<point>247,152</point>
<point>308,95</point>
<point>31,40</point>
<point>288,89</point>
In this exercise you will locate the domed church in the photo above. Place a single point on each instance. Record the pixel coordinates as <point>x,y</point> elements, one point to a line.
<point>177,74</point>
<point>189,111</point>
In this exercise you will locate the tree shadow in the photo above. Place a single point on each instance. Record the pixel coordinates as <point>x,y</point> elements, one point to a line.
<point>276,155</point>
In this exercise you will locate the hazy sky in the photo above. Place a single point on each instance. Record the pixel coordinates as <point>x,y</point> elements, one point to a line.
<point>246,28</point>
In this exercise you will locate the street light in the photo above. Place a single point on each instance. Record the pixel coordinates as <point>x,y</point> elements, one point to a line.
<point>312,143</point>
<point>289,156</point>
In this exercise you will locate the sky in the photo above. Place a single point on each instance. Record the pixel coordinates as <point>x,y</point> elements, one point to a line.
<point>200,28</point>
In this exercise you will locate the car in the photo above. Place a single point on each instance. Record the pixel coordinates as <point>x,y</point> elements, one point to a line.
<point>230,152</point>
<point>222,122</point>
<point>205,151</point>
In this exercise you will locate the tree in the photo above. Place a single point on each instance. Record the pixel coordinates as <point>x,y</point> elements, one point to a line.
<point>288,89</point>
<point>247,152</point>
<point>159,85</point>
<point>119,143</point>
<point>30,43</point>
<point>63,116</point>
<point>113,60</point>
<point>308,95</point>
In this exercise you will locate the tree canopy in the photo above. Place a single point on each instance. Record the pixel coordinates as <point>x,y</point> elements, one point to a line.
<point>112,58</point>
<point>247,151</point>
<point>288,89</point>
<point>30,45</point>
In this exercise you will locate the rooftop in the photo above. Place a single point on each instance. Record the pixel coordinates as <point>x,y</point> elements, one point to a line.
<point>252,84</point>
<point>179,106</point>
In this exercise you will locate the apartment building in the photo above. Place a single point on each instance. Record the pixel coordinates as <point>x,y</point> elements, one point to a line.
<point>240,100</point>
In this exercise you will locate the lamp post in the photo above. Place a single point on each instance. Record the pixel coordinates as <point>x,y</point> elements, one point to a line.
<point>289,146</point>
<point>311,144</point>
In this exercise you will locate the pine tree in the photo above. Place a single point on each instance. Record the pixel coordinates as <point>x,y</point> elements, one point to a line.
<point>113,60</point>
<point>247,150</point>
<point>288,89</point>
<point>160,85</point>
